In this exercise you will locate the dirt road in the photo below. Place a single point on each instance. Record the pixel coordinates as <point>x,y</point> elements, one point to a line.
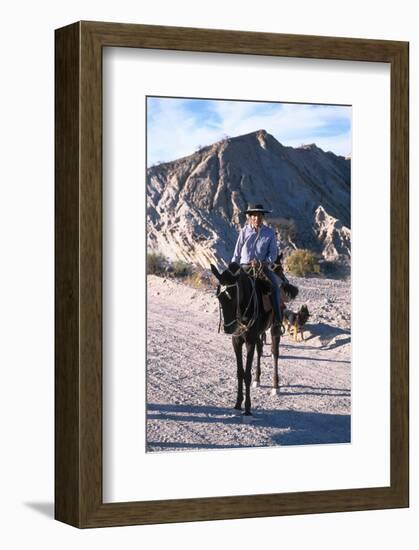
<point>191,373</point>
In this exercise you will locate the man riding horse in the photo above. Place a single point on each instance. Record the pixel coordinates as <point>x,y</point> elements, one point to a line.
<point>256,245</point>
<point>240,294</point>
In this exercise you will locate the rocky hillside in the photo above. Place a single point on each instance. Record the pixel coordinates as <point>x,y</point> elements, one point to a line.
<point>194,204</point>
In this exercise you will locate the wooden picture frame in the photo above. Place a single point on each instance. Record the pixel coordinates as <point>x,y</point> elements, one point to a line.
<point>78,322</point>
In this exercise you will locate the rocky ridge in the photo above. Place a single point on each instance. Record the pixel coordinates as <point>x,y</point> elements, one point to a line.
<point>195,204</point>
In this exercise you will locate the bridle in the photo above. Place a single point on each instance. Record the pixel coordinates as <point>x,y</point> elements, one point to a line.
<point>221,289</point>
<point>243,327</point>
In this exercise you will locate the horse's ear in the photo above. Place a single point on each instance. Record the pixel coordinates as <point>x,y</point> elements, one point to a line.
<point>215,272</point>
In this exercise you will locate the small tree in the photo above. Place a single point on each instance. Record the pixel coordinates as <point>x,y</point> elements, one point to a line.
<point>301,263</point>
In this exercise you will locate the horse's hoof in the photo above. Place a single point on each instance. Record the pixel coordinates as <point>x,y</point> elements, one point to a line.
<point>237,407</point>
<point>255,384</point>
<point>275,391</point>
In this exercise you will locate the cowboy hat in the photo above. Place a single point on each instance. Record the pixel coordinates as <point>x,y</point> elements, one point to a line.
<point>254,208</point>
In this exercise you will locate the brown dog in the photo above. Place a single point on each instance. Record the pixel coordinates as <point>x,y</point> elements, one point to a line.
<point>295,321</point>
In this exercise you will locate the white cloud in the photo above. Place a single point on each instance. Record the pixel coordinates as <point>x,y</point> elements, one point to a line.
<point>174,131</point>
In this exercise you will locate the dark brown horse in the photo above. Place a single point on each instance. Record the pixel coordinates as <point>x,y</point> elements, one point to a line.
<point>240,294</point>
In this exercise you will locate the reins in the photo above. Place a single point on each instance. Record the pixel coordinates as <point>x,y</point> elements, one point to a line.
<point>253,270</point>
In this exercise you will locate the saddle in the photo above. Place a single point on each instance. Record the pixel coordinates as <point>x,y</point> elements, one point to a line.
<point>267,298</point>
<point>265,286</point>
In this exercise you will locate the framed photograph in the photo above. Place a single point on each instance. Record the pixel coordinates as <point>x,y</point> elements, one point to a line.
<point>231,274</point>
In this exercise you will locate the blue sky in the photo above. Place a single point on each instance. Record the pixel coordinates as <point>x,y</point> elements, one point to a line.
<point>177,127</point>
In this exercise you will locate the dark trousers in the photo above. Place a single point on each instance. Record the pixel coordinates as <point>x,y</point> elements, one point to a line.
<point>275,293</point>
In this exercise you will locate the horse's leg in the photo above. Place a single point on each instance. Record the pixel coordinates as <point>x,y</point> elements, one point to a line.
<point>259,351</point>
<point>250,347</point>
<point>238,345</point>
<point>276,338</point>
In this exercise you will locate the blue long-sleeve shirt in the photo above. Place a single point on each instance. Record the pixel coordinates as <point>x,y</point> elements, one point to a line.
<point>253,244</point>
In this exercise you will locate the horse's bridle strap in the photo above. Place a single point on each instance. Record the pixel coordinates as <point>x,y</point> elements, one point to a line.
<point>223,288</point>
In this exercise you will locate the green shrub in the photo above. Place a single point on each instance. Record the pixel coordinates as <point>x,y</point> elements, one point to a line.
<point>301,263</point>
<point>155,263</point>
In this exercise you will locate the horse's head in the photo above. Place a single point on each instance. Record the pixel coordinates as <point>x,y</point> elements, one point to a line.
<point>228,276</point>
<point>227,293</point>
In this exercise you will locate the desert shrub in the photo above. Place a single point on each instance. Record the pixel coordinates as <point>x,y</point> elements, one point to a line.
<point>301,263</point>
<point>155,263</point>
<point>200,280</point>
<point>180,268</point>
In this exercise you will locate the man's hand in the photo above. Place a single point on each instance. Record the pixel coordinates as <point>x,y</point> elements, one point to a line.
<point>254,263</point>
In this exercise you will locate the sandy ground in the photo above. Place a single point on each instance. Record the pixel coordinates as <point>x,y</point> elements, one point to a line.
<point>191,373</point>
